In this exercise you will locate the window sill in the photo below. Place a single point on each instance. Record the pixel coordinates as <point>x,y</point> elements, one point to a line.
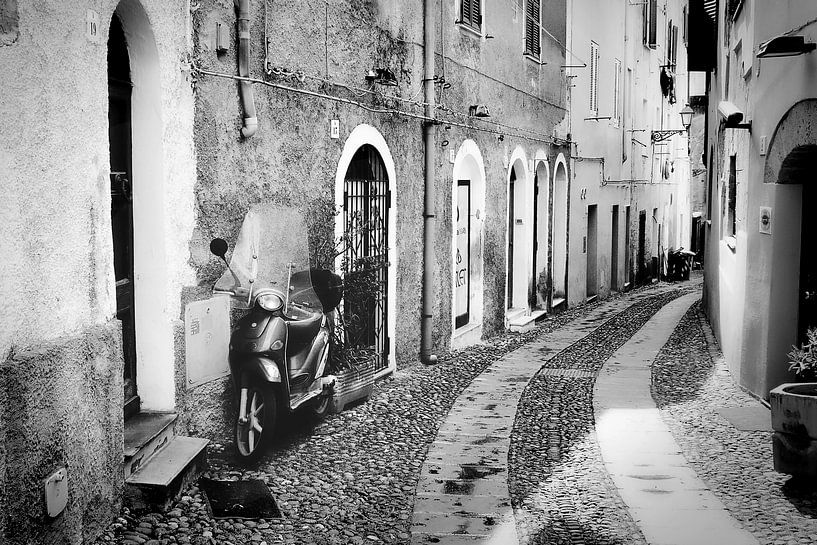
<point>731,242</point>
<point>534,59</point>
<point>470,30</point>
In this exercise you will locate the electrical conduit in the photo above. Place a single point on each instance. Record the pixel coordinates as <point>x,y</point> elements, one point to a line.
<point>245,87</point>
<point>429,219</point>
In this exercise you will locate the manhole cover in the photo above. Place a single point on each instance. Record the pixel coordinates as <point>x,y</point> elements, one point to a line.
<point>240,499</point>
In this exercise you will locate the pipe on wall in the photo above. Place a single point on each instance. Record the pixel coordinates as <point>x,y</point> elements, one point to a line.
<point>245,87</point>
<point>429,217</point>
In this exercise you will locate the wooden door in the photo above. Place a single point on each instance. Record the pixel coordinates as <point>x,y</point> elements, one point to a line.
<point>119,134</point>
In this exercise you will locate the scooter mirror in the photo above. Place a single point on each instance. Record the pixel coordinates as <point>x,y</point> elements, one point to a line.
<point>218,246</point>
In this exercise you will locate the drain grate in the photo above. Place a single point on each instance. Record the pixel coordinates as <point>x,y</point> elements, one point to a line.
<point>568,373</point>
<point>249,499</point>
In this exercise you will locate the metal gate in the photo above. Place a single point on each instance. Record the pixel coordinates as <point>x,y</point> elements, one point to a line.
<point>366,203</point>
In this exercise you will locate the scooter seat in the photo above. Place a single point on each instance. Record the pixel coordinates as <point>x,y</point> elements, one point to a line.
<point>303,331</point>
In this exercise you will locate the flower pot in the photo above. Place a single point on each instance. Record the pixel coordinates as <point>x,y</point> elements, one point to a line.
<point>794,421</point>
<point>353,384</point>
<point>794,409</point>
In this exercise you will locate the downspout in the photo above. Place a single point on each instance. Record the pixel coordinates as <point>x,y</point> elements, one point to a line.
<point>245,88</point>
<point>429,220</point>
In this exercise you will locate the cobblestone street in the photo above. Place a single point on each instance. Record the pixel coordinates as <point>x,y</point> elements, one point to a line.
<point>498,443</point>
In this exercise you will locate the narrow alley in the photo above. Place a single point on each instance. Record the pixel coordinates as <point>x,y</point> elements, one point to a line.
<point>603,425</point>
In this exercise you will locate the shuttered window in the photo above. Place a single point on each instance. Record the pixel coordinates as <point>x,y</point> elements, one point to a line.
<point>617,93</point>
<point>471,14</point>
<point>649,23</point>
<point>533,27</point>
<point>674,45</point>
<point>594,78</point>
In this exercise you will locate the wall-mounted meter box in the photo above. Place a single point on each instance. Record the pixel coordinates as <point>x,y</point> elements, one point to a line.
<point>56,492</point>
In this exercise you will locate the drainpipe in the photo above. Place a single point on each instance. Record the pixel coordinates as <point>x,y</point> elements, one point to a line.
<point>429,220</point>
<point>250,120</point>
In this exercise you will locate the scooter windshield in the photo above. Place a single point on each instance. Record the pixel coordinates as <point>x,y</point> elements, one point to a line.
<point>272,252</point>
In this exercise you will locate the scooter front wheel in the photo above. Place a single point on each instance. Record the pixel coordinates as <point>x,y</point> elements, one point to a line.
<point>255,424</point>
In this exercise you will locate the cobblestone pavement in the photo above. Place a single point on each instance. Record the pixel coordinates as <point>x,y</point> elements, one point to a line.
<point>350,478</point>
<point>560,489</point>
<point>690,383</point>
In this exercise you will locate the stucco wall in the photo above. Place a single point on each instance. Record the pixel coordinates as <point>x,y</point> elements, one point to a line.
<point>293,158</point>
<point>751,293</point>
<point>61,408</point>
<point>58,337</point>
<point>614,163</point>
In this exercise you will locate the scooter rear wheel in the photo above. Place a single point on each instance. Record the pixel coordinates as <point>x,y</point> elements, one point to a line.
<point>261,414</point>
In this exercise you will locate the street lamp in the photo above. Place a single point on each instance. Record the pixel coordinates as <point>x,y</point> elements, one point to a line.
<point>686,121</point>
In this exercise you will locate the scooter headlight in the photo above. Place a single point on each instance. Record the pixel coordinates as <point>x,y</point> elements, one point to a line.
<point>270,302</point>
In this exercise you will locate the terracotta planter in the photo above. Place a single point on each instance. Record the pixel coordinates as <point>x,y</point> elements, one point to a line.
<point>353,384</point>
<point>794,421</point>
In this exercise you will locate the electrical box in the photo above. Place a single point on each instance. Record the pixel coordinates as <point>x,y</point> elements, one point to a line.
<point>56,492</point>
<point>334,128</point>
<point>207,339</point>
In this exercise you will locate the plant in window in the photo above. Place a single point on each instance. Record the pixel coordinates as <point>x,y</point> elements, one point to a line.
<point>803,359</point>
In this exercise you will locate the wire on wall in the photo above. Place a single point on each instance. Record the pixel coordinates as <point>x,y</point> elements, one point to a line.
<point>518,132</point>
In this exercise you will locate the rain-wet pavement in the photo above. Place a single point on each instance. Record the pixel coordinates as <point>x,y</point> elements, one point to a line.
<point>527,445</point>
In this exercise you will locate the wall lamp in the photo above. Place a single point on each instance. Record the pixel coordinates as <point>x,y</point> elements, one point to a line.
<point>478,110</point>
<point>686,121</point>
<point>784,46</point>
<point>383,76</point>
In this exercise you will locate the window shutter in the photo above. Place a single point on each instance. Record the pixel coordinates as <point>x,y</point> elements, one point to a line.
<point>653,38</point>
<point>532,38</point>
<point>674,45</point>
<point>645,23</point>
<point>470,13</point>
<point>594,77</point>
<point>616,92</point>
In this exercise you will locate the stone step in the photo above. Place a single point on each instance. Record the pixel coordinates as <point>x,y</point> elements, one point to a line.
<point>526,320</point>
<point>158,482</point>
<point>145,434</point>
<point>558,304</point>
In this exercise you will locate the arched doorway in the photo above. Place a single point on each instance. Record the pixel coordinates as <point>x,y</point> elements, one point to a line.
<point>365,261</point>
<point>791,161</point>
<point>468,220</point>
<point>519,240</point>
<point>137,199</point>
<point>560,212</point>
<point>121,155</point>
<point>541,215</point>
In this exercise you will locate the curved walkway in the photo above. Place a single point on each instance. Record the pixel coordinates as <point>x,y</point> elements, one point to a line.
<point>462,495</point>
<point>665,497</point>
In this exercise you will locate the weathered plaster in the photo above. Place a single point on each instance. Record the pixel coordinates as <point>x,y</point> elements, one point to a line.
<point>61,404</point>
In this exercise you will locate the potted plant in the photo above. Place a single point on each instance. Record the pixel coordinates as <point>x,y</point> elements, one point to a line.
<point>794,413</point>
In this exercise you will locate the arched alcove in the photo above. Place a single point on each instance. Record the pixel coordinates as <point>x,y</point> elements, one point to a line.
<point>365,184</point>
<point>541,229</point>
<point>519,235</point>
<point>560,217</point>
<point>791,161</point>
<point>155,378</point>
<point>468,221</point>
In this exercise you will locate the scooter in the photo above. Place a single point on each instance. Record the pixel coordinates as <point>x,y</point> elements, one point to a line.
<point>279,350</point>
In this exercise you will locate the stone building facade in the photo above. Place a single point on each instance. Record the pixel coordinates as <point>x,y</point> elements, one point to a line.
<point>122,155</point>
<point>759,261</point>
<point>629,197</point>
